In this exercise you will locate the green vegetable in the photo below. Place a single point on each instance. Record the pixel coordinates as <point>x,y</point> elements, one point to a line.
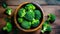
<point>30,7</point>
<point>20,20</point>
<point>47,22</point>
<point>8,11</point>
<point>21,12</point>
<point>51,17</point>
<point>37,14</point>
<point>30,15</point>
<point>46,27</point>
<point>49,28</point>
<point>4,5</point>
<point>8,27</point>
<point>26,24</point>
<point>35,23</point>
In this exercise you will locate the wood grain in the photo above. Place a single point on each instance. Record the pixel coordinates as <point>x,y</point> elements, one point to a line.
<point>46,9</point>
<point>42,2</point>
<point>17,2</point>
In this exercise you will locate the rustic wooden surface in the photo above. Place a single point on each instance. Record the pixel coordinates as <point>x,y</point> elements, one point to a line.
<point>47,10</point>
<point>55,9</point>
<point>43,2</point>
<point>16,2</point>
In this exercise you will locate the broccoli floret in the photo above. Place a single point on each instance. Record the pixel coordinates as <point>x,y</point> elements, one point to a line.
<point>20,20</point>
<point>49,28</point>
<point>29,15</point>
<point>8,11</point>
<point>8,27</point>
<point>47,22</point>
<point>46,27</point>
<point>37,14</point>
<point>4,5</point>
<point>21,12</point>
<point>30,7</point>
<point>26,24</point>
<point>51,17</point>
<point>35,23</point>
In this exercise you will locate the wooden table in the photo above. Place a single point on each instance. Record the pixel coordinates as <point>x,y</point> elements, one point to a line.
<point>55,9</point>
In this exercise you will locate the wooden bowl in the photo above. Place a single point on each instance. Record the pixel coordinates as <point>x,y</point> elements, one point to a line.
<point>30,30</point>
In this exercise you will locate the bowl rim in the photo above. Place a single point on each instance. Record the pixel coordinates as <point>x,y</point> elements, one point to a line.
<point>30,30</point>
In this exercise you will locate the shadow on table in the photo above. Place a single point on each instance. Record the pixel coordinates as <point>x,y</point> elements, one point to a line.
<point>45,32</point>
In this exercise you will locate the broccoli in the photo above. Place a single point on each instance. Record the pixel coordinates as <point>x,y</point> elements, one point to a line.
<point>26,25</point>
<point>37,14</point>
<point>20,20</point>
<point>47,22</point>
<point>49,28</point>
<point>21,12</point>
<point>35,23</point>
<point>8,11</point>
<point>4,5</point>
<point>8,27</point>
<point>29,15</point>
<point>51,17</point>
<point>30,7</point>
<point>46,27</point>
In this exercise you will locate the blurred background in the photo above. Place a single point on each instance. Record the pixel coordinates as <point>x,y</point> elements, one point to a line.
<point>48,6</point>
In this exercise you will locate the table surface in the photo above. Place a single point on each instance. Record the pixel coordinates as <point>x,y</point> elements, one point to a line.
<point>47,9</point>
